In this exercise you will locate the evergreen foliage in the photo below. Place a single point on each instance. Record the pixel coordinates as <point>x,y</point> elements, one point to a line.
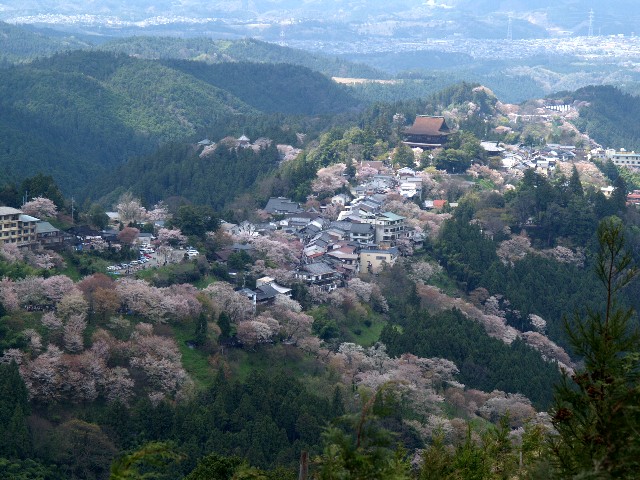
<point>485,363</point>
<point>596,413</point>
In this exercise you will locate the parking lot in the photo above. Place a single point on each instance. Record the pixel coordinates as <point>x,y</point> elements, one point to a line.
<point>150,258</point>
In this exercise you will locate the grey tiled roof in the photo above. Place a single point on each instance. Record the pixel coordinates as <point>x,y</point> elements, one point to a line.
<point>319,268</point>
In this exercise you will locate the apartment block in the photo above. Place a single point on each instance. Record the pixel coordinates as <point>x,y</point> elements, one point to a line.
<point>16,227</point>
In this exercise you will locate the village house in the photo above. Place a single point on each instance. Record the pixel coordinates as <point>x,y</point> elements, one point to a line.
<point>265,293</point>
<point>49,236</point>
<point>319,275</point>
<point>374,260</point>
<point>282,206</point>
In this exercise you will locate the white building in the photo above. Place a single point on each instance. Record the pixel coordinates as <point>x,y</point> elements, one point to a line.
<point>623,158</point>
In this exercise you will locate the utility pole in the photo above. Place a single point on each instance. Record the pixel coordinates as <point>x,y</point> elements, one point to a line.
<point>303,472</point>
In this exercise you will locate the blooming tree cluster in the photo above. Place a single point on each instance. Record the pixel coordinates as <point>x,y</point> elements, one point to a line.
<point>130,209</point>
<point>493,321</point>
<point>159,212</point>
<point>259,330</point>
<point>128,235</point>
<point>171,236</point>
<point>10,252</point>
<point>40,207</point>
<point>177,302</point>
<point>330,179</point>
<point>85,375</point>
<point>225,298</point>
<point>278,251</point>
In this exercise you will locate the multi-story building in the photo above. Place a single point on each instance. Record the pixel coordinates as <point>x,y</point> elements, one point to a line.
<point>16,227</point>
<point>623,158</point>
<point>388,227</point>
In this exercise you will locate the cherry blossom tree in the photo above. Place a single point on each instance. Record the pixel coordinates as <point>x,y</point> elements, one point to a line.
<point>159,359</point>
<point>514,249</point>
<point>142,298</point>
<point>35,340</point>
<point>284,303</point>
<point>11,253</point>
<point>295,326</point>
<point>12,355</point>
<point>73,332</point>
<point>50,321</point>
<point>364,173</point>
<point>159,212</point>
<point>44,260</point>
<point>8,295</point>
<point>30,291</point>
<point>280,251</point>
<point>171,237</point>
<point>422,271</point>
<point>72,303</point>
<point>118,386</point>
<point>130,209</point>
<point>42,375</point>
<point>40,207</point>
<point>257,331</point>
<point>56,287</point>
<point>329,179</point>
<point>225,299</point>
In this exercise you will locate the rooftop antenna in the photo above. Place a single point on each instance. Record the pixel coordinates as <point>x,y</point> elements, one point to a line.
<point>509,29</point>
<point>591,22</point>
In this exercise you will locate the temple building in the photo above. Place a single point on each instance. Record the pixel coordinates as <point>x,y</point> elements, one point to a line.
<point>427,132</point>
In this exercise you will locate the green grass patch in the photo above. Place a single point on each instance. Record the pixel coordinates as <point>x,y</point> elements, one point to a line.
<point>445,283</point>
<point>194,360</point>
<point>486,184</point>
<point>368,333</point>
<point>204,282</point>
<point>274,359</point>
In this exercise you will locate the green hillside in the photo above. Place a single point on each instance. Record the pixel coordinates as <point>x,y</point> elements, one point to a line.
<point>281,88</point>
<point>246,50</point>
<point>20,44</point>
<point>609,116</point>
<point>78,114</point>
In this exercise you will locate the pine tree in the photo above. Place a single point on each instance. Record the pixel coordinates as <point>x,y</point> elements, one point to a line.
<point>596,411</point>
<point>575,185</point>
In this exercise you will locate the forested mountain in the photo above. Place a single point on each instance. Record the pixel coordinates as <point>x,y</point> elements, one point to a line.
<point>282,88</point>
<point>20,44</point>
<point>246,50</point>
<point>610,116</point>
<point>78,114</point>
<point>215,179</point>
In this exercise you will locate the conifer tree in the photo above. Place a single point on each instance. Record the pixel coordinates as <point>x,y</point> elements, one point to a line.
<point>596,412</point>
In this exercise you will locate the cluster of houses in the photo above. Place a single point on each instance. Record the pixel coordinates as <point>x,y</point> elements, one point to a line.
<point>363,239</point>
<point>543,160</point>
